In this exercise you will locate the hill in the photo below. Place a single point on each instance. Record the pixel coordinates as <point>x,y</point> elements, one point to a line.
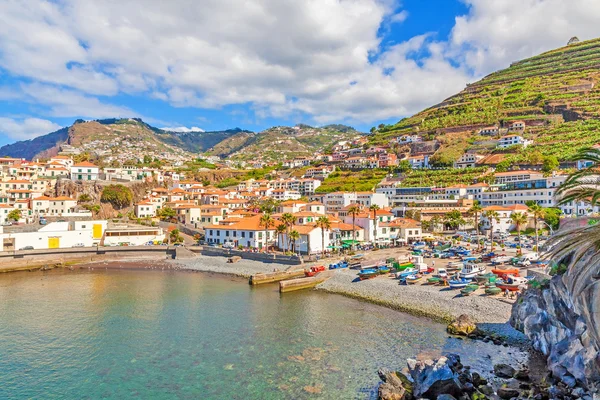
<point>283,143</point>
<point>555,95</point>
<point>119,139</point>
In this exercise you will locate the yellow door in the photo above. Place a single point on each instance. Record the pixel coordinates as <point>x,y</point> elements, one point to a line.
<point>53,243</point>
<point>97,231</point>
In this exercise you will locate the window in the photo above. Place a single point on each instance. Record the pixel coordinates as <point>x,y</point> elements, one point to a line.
<point>243,234</point>
<point>218,233</point>
<point>250,235</point>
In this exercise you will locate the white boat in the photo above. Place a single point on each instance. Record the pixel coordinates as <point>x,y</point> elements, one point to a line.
<point>459,283</point>
<point>406,272</point>
<point>470,271</point>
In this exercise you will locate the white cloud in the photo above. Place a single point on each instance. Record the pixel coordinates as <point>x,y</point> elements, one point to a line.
<point>26,128</point>
<point>283,57</point>
<point>183,129</point>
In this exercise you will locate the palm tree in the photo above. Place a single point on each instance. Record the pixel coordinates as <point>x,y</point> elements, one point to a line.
<point>476,211</point>
<point>354,210</point>
<point>281,228</point>
<point>294,235</point>
<point>323,223</point>
<point>374,208</point>
<point>492,216</point>
<point>538,214</point>
<point>519,219</point>
<point>267,221</point>
<point>288,220</point>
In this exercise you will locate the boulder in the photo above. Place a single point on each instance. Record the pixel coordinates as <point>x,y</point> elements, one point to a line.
<point>508,393</point>
<point>395,386</point>
<point>522,374</point>
<point>433,378</point>
<point>463,326</point>
<point>504,371</point>
<point>446,397</point>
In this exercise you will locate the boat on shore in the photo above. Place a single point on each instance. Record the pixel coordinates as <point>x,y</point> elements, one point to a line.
<point>506,272</point>
<point>314,270</point>
<point>401,266</point>
<point>459,283</point>
<point>412,279</point>
<point>454,266</point>
<point>512,284</point>
<point>492,291</point>
<point>368,273</point>
<point>470,271</point>
<point>384,269</point>
<point>434,280</point>
<point>485,278</point>
<point>406,272</point>
<point>468,289</point>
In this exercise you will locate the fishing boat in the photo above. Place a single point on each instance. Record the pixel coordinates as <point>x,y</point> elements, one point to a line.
<point>406,272</point>
<point>492,291</point>
<point>401,266</point>
<point>484,278</point>
<point>384,269</point>
<point>314,270</point>
<point>470,271</point>
<point>467,290</point>
<point>368,273</point>
<point>434,280</point>
<point>512,283</point>
<point>459,283</point>
<point>341,264</point>
<point>506,272</point>
<point>454,266</point>
<point>412,279</point>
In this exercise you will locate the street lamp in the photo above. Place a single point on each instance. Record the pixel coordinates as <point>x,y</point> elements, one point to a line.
<point>548,225</point>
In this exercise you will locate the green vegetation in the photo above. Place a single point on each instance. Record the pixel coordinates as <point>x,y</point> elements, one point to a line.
<point>14,215</point>
<point>166,213</point>
<point>442,177</point>
<point>84,198</point>
<point>360,181</point>
<point>556,93</point>
<point>259,173</point>
<point>118,195</point>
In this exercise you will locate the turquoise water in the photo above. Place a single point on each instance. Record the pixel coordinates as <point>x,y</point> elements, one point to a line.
<point>150,334</point>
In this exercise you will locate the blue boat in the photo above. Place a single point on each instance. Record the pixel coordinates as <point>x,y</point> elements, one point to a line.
<point>368,273</point>
<point>459,283</point>
<point>341,264</point>
<point>406,272</point>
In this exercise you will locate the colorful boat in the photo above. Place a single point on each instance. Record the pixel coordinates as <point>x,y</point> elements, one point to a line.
<point>484,278</point>
<point>406,272</point>
<point>470,271</point>
<point>492,291</point>
<point>412,279</point>
<point>459,283</point>
<point>341,264</point>
<point>434,280</point>
<point>512,284</point>
<point>384,269</point>
<point>505,272</point>
<point>401,266</point>
<point>467,291</point>
<point>314,270</point>
<point>368,273</point>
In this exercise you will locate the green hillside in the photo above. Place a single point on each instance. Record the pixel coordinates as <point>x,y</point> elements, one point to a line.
<point>555,93</point>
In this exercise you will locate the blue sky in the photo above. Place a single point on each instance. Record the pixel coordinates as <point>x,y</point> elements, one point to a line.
<point>269,62</point>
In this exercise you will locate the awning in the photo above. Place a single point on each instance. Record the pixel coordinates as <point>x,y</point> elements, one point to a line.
<point>350,242</point>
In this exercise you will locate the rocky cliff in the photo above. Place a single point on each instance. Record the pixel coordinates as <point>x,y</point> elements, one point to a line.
<point>565,327</point>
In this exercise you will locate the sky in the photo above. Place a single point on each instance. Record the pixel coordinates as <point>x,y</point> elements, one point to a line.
<point>219,64</point>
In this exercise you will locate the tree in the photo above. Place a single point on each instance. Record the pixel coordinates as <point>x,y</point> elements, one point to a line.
<point>519,220</point>
<point>538,214</point>
<point>476,211</point>
<point>281,229</point>
<point>84,198</point>
<point>550,164</point>
<point>492,216</point>
<point>535,157</point>
<point>435,221</point>
<point>166,213</point>
<point>267,221</point>
<point>174,236</point>
<point>404,166</point>
<point>288,220</point>
<point>14,215</point>
<point>325,225</point>
<point>268,205</point>
<point>374,208</point>
<point>503,166</point>
<point>118,195</point>
<point>294,235</point>
<point>454,219</point>
<point>354,210</point>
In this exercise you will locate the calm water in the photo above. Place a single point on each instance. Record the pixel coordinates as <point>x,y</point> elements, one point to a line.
<point>150,334</point>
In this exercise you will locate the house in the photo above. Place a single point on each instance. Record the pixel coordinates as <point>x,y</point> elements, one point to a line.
<point>47,206</point>
<point>57,235</point>
<point>84,171</point>
<point>335,201</point>
<point>310,241</point>
<point>489,130</point>
<point>512,140</point>
<point>145,209</point>
<point>403,230</point>
<point>386,160</point>
<point>504,223</point>
<point>516,126</point>
<point>419,162</point>
<point>244,232</point>
<point>467,160</point>
<point>405,139</point>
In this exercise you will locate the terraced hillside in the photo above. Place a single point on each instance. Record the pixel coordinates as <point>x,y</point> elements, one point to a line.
<point>283,143</point>
<point>555,94</point>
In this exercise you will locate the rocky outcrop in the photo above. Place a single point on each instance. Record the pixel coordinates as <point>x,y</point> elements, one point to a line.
<point>433,378</point>
<point>564,327</point>
<point>463,326</point>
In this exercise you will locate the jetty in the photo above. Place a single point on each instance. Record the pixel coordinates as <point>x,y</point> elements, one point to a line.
<point>304,283</point>
<point>259,279</point>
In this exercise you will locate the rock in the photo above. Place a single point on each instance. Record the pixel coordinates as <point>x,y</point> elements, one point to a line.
<point>478,396</point>
<point>313,389</point>
<point>446,397</point>
<point>486,389</point>
<point>578,393</point>
<point>476,379</point>
<point>435,377</point>
<point>395,386</point>
<point>504,371</point>
<point>522,374</point>
<point>463,326</point>
<point>508,393</point>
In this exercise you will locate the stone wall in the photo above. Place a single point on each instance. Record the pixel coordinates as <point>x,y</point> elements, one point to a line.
<point>262,257</point>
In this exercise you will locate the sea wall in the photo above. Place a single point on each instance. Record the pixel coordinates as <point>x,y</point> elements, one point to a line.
<point>246,255</point>
<point>565,328</point>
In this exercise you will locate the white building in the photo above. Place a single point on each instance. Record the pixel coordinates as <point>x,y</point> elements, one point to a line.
<point>84,171</point>
<point>145,209</point>
<point>467,160</point>
<point>335,201</point>
<point>53,206</point>
<point>512,140</point>
<point>310,241</point>
<point>367,199</point>
<point>245,232</point>
<point>419,162</point>
<point>504,223</point>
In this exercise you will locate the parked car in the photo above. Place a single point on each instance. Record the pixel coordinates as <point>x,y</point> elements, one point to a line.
<point>78,245</point>
<point>228,245</point>
<point>43,221</point>
<point>26,248</point>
